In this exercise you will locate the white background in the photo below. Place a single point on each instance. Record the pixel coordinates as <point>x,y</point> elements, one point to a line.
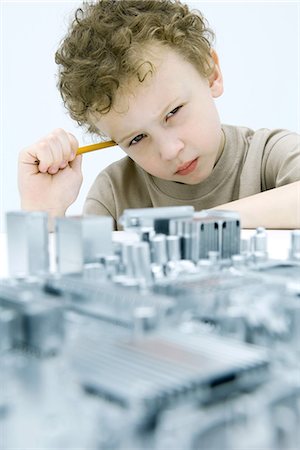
<point>257,42</point>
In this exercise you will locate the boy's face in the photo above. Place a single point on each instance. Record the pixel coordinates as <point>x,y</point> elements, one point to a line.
<point>168,124</point>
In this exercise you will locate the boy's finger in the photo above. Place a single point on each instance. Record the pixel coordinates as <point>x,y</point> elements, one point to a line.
<point>74,146</point>
<point>50,153</point>
<point>27,163</point>
<point>61,150</point>
<point>36,158</point>
<point>45,156</point>
<point>76,164</point>
<point>66,142</point>
<point>63,165</point>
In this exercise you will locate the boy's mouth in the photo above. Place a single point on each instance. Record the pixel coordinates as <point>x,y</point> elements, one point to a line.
<point>187,168</point>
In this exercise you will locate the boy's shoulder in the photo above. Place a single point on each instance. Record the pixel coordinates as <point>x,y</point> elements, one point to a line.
<point>261,137</point>
<point>125,169</point>
<point>125,163</point>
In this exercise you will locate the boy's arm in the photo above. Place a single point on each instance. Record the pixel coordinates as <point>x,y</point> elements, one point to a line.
<point>95,207</point>
<point>276,208</point>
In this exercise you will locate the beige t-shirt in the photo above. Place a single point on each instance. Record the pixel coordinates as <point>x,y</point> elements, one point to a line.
<point>251,162</point>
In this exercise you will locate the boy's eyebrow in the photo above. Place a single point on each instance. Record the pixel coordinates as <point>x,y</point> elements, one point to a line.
<point>135,133</point>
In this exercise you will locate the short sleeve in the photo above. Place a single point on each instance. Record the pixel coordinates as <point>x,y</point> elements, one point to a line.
<point>100,198</point>
<point>281,160</point>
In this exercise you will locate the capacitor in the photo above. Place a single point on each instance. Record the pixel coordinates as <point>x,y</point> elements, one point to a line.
<point>159,249</point>
<point>142,262</point>
<point>295,245</point>
<point>259,243</point>
<point>127,258</point>
<point>173,247</point>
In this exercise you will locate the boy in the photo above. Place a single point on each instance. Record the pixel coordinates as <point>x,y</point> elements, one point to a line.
<point>144,74</point>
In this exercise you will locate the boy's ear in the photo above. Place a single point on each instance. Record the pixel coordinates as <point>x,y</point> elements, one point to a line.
<point>216,78</point>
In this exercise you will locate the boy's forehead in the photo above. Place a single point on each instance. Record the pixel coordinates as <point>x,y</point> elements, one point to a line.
<point>164,80</point>
<point>154,69</point>
<point>153,52</point>
<point>134,86</point>
<point>147,64</point>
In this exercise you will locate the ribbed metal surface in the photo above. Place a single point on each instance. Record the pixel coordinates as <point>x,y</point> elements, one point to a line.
<point>168,366</point>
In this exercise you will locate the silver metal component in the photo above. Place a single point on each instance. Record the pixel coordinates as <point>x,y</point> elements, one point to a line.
<point>174,269</point>
<point>144,217</point>
<point>127,259</point>
<point>245,247</point>
<point>171,365</point>
<point>205,265</point>
<point>218,230</point>
<point>127,282</point>
<point>208,231</point>
<point>159,249</point>
<point>173,247</point>
<point>44,327</point>
<point>186,246</point>
<point>159,256</point>
<point>175,353</point>
<point>37,319</point>
<point>8,328</point>
<point>145,320</point>
<point>186,229</point>
<point>94,271</point>
<point>238,261</point>
<point>259,243</point>
<point>81,240</point>
<point>293,311</point>
<point>146,234</point>
<point>27,243</point>
<point>214,256</point>
<point>142,262</point>
<point>111,265</point>
<point>295,245</point>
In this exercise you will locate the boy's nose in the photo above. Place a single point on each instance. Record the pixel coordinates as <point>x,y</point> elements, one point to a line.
<point>170,147</point>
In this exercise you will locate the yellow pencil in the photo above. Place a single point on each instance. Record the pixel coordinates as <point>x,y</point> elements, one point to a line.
<point>92,147</point>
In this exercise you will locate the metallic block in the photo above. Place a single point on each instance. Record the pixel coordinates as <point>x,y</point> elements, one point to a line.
<point>81,240</point>
<point>27,240</point>
<point>43,327</point>
<point>295,245</point>
<point>30,318</point>
<point>8,320</point>
<point>136,218</point>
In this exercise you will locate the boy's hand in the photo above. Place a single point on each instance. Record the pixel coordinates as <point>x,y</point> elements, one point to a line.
<point>49,173</point>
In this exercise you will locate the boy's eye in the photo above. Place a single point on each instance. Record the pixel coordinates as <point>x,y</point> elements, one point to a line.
<point>174,111</point>
<point>136,139</point>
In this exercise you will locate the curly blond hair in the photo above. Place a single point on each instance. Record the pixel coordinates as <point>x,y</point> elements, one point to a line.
<point>103,49</point>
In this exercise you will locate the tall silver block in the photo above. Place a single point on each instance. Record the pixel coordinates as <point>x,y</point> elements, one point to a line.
<point>295,245</point>
<point>81,240</point>
<point>27,243</point>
